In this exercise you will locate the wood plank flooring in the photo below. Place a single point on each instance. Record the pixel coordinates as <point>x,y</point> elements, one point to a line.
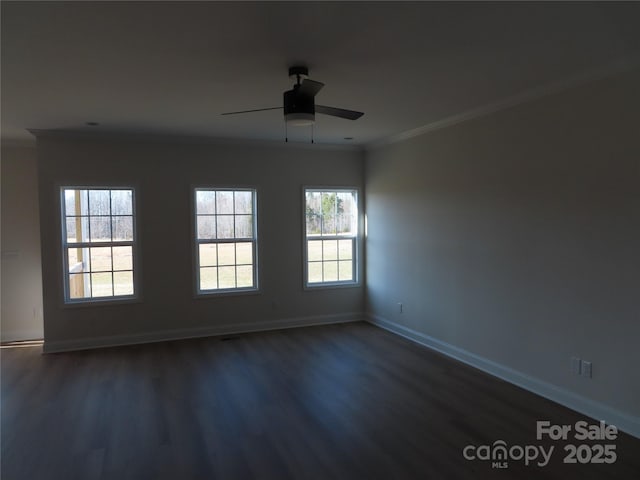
<point>333,402</point>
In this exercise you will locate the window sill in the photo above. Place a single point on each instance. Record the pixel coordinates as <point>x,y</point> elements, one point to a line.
<point>323,286</point>
<point>101,302</point>
<point>208,294</point>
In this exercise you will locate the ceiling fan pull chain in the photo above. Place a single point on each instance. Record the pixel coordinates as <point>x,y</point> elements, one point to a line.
<point>286,133</point>
<point>312,133</point>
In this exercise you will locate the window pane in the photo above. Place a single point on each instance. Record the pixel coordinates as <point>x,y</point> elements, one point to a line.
<point>79,286</point>
<point>70,202</point>
<point>205,202</point>
<point>330,271</point>
<point>208,256</point>
<point>84,229</point>
<point>122,258</point>
<point>71,229</point>
<point>345,270</point>
<point>245,276</point>
<point>244,226</point>
<point>314,272</point>
<point>206,227</point>
<point>75,202</point>
<point>101,284</point>
<point>329,249</point>
<point>76,257</point>
<point>100,259</point>
<point>345,249</point>
<point>208,278</point>
<point>328,213</point>
<point>314,213</point>
<point>99,202</point>
<point>123,283</point>
<point>83,196</point>
<point>346,213</point>
<point>122,228</point>
<point>227,277</point>
<point>224,203</point>
<point>314,250</point>
<point>244,202</point>
<point>244,253</point>
<point>100,228</point>
<point>121,202</point>
<point>225,226</point>
<point>77,229</point>
<point>226,254</point>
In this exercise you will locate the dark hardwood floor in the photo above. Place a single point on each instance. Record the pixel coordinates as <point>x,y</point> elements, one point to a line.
<point>334,402</point>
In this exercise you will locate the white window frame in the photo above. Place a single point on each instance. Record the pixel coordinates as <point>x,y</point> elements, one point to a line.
<point>93,244</point>
<point>202,293</point>
<point>355,239</point>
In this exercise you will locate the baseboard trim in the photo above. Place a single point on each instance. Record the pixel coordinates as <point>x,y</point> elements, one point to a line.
<point>596,410</point>
<point>185,333</point>
<point>21,336</point>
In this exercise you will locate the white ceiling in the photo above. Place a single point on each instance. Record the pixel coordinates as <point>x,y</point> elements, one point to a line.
<point>173,67</point>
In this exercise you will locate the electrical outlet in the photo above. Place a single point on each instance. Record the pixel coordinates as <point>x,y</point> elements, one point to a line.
<point>399,307</point>
<point>576,365</point>
<point>586,369</point>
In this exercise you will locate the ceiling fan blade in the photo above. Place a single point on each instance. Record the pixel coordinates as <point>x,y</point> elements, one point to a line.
<point>249,111</point>
<point>310,87</point>
<point>339,112</point>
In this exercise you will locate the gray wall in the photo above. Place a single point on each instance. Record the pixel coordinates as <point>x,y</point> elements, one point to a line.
<point>21,273</point>
<point>514,239</point>
<point>163,174</point>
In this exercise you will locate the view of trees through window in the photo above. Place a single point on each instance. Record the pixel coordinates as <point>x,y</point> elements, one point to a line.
<point>331,230</point>
<point>98,242</point>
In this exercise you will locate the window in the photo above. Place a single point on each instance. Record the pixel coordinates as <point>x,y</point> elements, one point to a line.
<point>331,217</point>
<point>98,237</point>
<point>225,224</point>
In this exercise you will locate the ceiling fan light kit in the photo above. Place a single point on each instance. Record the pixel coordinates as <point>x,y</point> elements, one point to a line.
<point>299,106</point>
<point>299,119</point>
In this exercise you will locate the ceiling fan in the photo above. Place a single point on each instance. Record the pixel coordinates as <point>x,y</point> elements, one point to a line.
<point>299,103</point>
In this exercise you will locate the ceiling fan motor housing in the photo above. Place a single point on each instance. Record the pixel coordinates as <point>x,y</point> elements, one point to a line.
<point>299,109</point>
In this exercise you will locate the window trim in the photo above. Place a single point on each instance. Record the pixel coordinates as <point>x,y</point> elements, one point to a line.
<point>136,297</point>
<point>356,240</point>
<point>198,293</point>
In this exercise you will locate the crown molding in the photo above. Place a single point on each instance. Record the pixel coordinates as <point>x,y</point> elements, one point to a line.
<point>614,69</point>
<point>185,139</point>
